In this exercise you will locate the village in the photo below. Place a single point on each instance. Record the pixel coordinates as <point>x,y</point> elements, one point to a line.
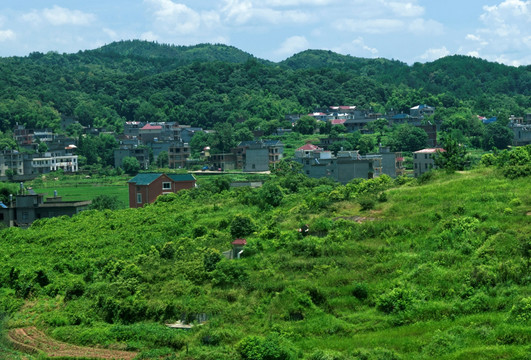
<point>42,152</point>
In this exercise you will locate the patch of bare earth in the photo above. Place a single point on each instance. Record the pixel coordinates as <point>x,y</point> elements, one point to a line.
<point>32,341</point>
<point>358,219</point>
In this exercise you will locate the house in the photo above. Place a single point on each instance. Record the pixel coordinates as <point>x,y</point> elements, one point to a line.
<point>139,153</point>
<point>25,209</point>
<point>178,153</point>
<point>522,130</point>
<point>259,155</point>
<point>421,111</point>
<point>344,167</point>
<point>387,162</point>
<point>424,160</point>
<point>53,162</point>
<point>149,133</point>
<point>11,160</point>
<point>145,188</point>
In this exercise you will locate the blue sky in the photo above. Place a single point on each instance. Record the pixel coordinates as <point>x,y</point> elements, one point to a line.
<point>406,30</point>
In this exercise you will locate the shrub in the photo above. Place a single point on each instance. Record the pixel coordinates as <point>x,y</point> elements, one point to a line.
<point>271,348</point>
<point>521,311</point>
<point>360,291</point>
<point>74,290</point>
<point>366,202</point>
<point>397,300</point>
<point>241,226</point>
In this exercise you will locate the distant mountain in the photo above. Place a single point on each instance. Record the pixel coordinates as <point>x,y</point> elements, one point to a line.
<point>181,54</point>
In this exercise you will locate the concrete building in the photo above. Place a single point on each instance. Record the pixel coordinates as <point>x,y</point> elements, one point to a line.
<point>344,167</point>
<point>141,154</point>
<point>387,162</point>
<point>178,153</point>
<point>259,155</point>
<point>11,160</point>
<point>23,210</point>
<point>521,128</point>
<point>423,160</point>
<point>53,162</point>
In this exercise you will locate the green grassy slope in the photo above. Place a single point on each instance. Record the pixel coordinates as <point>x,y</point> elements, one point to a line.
<point>432,270</point>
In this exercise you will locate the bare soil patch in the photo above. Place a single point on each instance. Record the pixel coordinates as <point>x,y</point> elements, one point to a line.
<point>32,341</point>
<point>358,219</point>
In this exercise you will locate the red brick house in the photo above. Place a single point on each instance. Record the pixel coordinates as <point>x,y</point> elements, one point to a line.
<point>145,188</point>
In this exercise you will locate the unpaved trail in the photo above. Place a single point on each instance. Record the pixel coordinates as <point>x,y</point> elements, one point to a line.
<point>32,341</point>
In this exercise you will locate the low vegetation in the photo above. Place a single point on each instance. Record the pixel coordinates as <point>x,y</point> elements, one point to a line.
<point>389,269</point>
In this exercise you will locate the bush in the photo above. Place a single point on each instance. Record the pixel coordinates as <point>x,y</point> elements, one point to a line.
<point>241,225</point>
<point>396,301</point>
<point>360,291</point>
<point>521,311</point>
<point>366,202</point>
<point>271,348</point>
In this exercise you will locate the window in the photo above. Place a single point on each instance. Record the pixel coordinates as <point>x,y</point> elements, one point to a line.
<point>254,166</point>
<point>139,198</point>
<point>166,186</point>
<point>425,156</point>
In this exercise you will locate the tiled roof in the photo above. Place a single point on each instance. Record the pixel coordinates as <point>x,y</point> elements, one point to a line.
<point>181,177</point>
<point>338,121</point>
<point>429,151</point>
<point>145,179</point>
<point>309,147</point>
<point>239,242</point>
<point>152,127</point>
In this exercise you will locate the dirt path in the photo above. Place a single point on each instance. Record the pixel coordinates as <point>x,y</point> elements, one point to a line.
<point>32,341</point>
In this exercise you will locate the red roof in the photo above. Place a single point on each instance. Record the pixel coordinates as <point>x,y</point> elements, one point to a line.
<point>309,147</point>
<point>239,242</point>
<point>152,127</point>
<point>429,151</point>
<point>338,121</point>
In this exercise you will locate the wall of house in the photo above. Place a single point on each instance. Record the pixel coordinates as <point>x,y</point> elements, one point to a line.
<point>257,159</point>
<point>422,163</point>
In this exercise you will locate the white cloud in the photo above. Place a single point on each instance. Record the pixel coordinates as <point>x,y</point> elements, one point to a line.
<point>434,54</point>
<point>58,16</point>
<point>425,27</point>
<point>375,26</point>
<point>6,35</point>
<point>242,12</point>
<point>356,47</point>
<point>149,36</point>
<point>407,9</point>
<point>111,33</point>
<point>293,45</point>
<point>175,18</point>
<point>506,29</point>
<point>280,3</point>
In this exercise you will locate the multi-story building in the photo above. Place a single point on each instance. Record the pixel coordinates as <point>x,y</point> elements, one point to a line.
<point>344,167</point>
<point>178,153</point>
<point>259,155</point>
<point>424,160</point>
<point>140,153</point>
<point>53,162</point>
<point>11,160</point>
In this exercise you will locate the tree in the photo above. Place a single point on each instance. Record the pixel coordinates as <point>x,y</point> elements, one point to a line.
<point>102,202</point>
<point>305,125</point>
<point>241,226</point>
<point>408,138</point>
<point>366,144</point>
<point>497,136</point>
<point>131,165</point>
<point>162,159</point>
<point>43,147</point>
<point>453,157</point>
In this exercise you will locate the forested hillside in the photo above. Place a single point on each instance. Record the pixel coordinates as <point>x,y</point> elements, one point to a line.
<point>206,84</point>
<point>389,269</point>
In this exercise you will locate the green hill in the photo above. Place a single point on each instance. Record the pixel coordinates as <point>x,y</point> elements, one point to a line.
<point>390,270</point>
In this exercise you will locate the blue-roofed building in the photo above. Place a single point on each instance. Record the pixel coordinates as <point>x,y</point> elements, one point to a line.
<point>145,188</point>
